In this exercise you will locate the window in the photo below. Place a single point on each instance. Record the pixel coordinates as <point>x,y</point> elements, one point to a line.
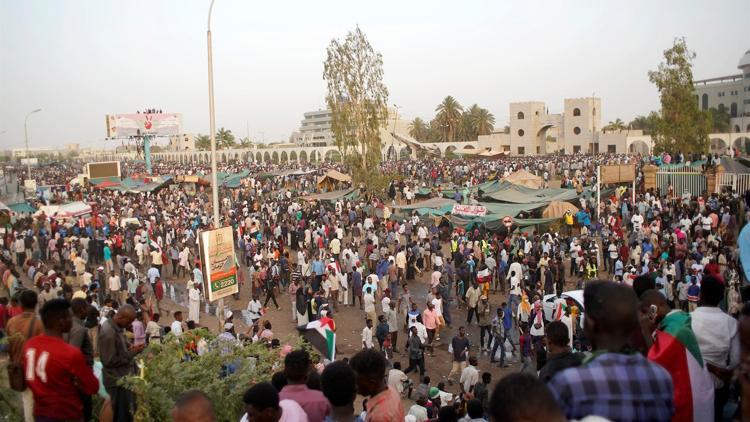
<point>576,149</point>
<point>536,112</point>
<point>576,111</point>
<point>520,132</point>
<point>704,102</point>
<point>722,108</point>
<point>733,110</point>
<point>737,128</point>
<point>611,149</point>
<point>521,151</point>
<point>593,111</point>
<point>520,115</point>
<point>577,130</point>
<point>721,94</point>
<point>538,150</point>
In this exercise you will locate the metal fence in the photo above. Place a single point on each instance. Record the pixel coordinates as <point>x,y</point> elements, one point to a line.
<point>740,183</point>
<point>682,179</point>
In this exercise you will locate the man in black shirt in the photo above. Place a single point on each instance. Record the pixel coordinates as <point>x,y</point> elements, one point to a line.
<point>560,356</point>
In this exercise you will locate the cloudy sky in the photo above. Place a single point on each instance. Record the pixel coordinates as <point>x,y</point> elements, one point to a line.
<point>80,60</point>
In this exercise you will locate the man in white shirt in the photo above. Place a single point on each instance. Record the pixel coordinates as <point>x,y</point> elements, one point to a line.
<point>717,337</point>
<point>367,335</point>
<point>637,220</point>
<point>115,287</point>
<point>369,300</point>
<point>253,309</point>
<point>176,326</point>
<point>469,376</point>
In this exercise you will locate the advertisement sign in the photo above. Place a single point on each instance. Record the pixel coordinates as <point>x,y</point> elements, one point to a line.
<point>218,261</point>
<point>474,210</point>
<point>158,124</point>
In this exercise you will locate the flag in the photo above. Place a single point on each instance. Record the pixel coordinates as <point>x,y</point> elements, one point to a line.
<point>321,335</point>
<point>676,349</point>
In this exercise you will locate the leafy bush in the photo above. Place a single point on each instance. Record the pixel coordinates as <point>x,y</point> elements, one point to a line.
<point>172,368</point>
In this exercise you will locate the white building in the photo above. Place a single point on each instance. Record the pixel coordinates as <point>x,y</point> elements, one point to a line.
<point>315,130</point>
<point>182,142</point>
<point>730,93</point>
<point>578,129</point>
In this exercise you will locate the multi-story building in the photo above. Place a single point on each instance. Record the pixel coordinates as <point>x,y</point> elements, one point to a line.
<point>182,142</point>
<point>315,130</point>
<point>730,93</point>
<point>578,129</point>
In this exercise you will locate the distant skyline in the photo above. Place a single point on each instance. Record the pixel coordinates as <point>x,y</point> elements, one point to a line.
<point>80,60</point>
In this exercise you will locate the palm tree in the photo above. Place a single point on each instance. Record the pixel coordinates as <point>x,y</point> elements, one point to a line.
<point>245,142</point>
<point>418,129</point>
<point>224,139</point>
<point>449,116</point>
<point>466,130</point>
<point>483,121</point>
<point>202,142</point>
<point>617,125</point>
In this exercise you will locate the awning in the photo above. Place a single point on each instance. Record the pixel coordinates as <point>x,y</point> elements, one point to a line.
<point>524,178</point>
<point>517,194</point>
<point>430,203</point>
<point>21,207</point>
<point>332,196</point>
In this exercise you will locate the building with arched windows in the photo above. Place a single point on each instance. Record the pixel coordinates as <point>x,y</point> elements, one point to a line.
<point>729,93</point>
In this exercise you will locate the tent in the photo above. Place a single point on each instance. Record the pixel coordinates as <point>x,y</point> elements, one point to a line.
<point>519,194</point>
<point>333,196</point>
<point>332,179</point>
<point>524,178</point>
<point>69,210</point>
<point>22,207</point>
<point>556,209</point>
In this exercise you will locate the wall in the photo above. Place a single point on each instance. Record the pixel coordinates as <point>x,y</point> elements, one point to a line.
<point>579,131</point>
<point>523,131</point>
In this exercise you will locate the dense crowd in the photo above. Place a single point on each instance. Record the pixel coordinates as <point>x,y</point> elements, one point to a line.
<point>626,310</point>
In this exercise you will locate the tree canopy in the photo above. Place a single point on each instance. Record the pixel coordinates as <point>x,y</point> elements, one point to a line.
<point>357,98</point>
<point>681,126</point>
<point>452,122</point>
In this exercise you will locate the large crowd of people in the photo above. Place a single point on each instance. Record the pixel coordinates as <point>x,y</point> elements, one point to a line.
<point>630,309</point>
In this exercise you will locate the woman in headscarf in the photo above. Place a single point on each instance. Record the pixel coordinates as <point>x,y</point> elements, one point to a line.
<point>524,308</point>
<point>301,304</point>
<point>536,321</point>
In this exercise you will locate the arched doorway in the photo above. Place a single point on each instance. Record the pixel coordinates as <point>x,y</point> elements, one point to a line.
<point>405,153</point>
<point>718,146</point>
<point>638,147</point>
<point>314,156</point>
<point>284,157</point>
<point>259,157</point>
<point>391,154</point>
<point>450,152</point>
<point>293,156</point>
<point>742,144</point>
<point>303,157</point>
<point>333,156</point>
<point>275,157</point>
<point>266,157</point>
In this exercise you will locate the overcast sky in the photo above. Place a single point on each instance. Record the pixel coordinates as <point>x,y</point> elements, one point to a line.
<point>80,60</point>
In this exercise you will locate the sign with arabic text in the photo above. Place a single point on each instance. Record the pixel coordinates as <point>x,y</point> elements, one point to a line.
<point>474,210</point>
<point>218,260</point>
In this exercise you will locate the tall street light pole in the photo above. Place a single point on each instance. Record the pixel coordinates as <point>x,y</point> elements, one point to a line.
<point>214,171</point>
<point>26,137</point>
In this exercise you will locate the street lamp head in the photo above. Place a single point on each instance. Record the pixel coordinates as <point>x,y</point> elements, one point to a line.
<point>37,110</point>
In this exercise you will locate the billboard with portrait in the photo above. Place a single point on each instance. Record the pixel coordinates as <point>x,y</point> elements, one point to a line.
<point>139,124</point>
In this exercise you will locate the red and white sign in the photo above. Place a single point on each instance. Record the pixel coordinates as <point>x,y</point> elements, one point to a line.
<point>156,124</point>
<point>474,210</point>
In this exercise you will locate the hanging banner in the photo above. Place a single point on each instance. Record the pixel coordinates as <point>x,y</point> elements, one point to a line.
<point>217,258</point>
<point>459,209</point>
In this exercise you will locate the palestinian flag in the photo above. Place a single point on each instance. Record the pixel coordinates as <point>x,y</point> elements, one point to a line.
<point>322,336</point>
<point>676,349</point>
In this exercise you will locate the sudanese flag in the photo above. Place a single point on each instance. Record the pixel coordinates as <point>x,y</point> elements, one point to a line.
<point>321,334</point>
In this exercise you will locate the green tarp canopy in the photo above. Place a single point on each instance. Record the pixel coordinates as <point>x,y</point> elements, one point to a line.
<point>22,207</point>
<point>516,194</point>
<point>429,203</point>
<point>494,223</point>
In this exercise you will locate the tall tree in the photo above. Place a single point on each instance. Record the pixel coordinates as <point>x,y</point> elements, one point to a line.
<point>357,98</point>
<point>203,142</point>
<point>418,129</point>
<point>681,126</point>
<point>466,130</point>
<point>719,120</point>
<point>449,117</point>
<point>645,123</point>
<point>618,125</point>
<point>245,142</point>
<point>224,139</point>
<point>484,121</point>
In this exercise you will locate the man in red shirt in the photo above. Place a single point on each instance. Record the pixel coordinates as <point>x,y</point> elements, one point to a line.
<point>56,372</point>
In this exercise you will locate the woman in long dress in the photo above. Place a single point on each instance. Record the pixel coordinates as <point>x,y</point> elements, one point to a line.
<point>194,302</point>
<point>300,305</point>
